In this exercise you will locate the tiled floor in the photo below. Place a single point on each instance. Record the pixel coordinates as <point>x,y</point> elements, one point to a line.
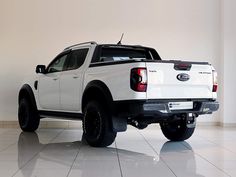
<point>211,151</point>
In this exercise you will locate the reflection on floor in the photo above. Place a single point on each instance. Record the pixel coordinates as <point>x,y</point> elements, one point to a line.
<point>61,153</point>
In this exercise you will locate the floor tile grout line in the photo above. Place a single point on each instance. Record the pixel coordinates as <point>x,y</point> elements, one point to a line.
<point>7,146</point>
<point>157,153</point>
<point>58,134</point>
<point>206,160</point>
<point>220,146</point>
<point>74,160</point>
<point>118,157</point>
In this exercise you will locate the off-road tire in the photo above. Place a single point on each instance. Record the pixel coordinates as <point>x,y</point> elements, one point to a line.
<point>177,131</point>
<point>96,125</point>
<point>27,116</point>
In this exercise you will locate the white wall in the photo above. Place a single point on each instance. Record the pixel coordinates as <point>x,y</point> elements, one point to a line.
<point>33,32</point>
<point>229,61</point>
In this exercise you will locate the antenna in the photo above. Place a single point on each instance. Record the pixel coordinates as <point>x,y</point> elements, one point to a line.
<point>119,43</point>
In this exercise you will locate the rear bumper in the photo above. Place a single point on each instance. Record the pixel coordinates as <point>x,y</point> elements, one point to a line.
<point>160,108</point>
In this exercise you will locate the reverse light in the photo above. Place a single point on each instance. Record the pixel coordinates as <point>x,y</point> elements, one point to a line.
<point>215,84</point>
<point>138,79</point>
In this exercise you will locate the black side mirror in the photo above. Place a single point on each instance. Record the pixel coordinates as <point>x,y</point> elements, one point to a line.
<point>41,69</point>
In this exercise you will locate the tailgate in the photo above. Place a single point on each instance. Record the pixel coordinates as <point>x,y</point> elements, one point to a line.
<point>179,80</point>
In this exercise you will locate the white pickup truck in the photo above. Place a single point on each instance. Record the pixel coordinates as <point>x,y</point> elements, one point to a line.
<point>108,86</point>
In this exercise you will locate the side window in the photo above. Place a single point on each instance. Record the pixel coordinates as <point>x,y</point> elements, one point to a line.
<point>76,59</point>
<point>57,65</point>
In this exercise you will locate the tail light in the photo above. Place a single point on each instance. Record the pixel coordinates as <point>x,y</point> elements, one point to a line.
<point>138,79</point>
<point>182,66</point>
<point>215,84</point>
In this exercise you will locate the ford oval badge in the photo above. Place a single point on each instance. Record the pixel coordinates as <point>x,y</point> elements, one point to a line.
<point>183,77</point>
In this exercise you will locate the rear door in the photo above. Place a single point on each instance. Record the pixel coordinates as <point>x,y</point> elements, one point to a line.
<point>169,80</point>
<point>71,80</point>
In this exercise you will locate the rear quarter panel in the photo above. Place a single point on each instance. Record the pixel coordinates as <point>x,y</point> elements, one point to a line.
<point>117,79</point>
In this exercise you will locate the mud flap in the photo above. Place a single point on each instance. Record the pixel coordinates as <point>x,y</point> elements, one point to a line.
<point>119,124</point>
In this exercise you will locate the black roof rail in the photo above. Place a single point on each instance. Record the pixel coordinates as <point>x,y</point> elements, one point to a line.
<point>90,42</point>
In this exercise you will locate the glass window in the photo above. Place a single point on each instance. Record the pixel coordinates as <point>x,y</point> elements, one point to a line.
<point>117,54</point>
<point>76,59</point>
<point>57,65</point>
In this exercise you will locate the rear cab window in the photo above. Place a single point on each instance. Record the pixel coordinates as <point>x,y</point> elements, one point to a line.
<point>114,53</point>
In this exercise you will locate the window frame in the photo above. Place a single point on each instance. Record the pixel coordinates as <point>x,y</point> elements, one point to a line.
<point>56,58</point>
<point>69,56</point>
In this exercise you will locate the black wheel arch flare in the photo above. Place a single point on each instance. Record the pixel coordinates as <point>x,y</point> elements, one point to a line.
<point>27,92</point>
<point>93,89</point>
<point>119,124</point>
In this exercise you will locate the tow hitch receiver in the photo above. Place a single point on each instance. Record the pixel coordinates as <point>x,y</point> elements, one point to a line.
<point>191,120</point>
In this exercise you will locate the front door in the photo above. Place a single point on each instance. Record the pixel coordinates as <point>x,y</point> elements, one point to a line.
<point>49,84</point>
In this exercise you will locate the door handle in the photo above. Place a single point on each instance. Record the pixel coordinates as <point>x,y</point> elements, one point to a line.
<point>55,79</point>
<point>75,77</point>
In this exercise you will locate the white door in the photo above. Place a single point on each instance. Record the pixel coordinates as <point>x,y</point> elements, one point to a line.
<point>48,87</point>
<point>71,80</point>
